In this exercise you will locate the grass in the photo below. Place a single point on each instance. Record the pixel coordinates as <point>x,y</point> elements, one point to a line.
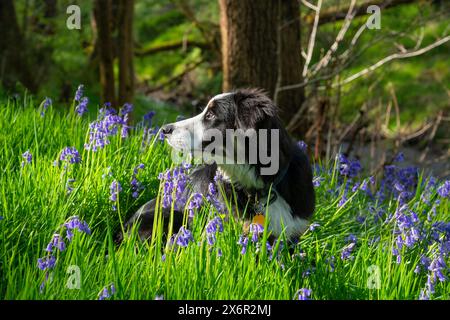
<point>34,203</point>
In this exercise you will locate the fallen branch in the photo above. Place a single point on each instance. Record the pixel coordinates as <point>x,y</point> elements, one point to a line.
<point>171,45</point>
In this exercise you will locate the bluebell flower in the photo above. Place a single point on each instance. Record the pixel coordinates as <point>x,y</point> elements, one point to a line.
<point>303,294</point>
<point>114,189</point>
<point>47,103</point>
<point>79,93</point>
<point>444,190</point>
<point>424,295</point>
<point>56,242</point>
<point>148,118</point>
<point>136,186</point>
<point>69,186</point>
<point>125,128</point>
<point>437,267</point>
<point>126,108</point>
<point>317,181</point>
<point>313,226</point>
<point>256,230</point>
<point>303,146</point>
<point>106,125</point>
<point>174,188</point>
<point>212,227</point>
<point>347,251</point>
<point>74,223</point>
<point>195,203</point>
<point>47,262</point>
<point>399,157</point>
<point>349,168</point>
<point>27,156</point>
<point>243,242</point>
<point>81,108</point>
<point>183,237</point>
<point>107,292</point>
<point>70,155</point>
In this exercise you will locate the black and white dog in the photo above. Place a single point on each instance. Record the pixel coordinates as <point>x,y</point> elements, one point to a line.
<point>288,176</point>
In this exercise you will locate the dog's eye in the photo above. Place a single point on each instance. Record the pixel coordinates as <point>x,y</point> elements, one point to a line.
<point>209,116</point>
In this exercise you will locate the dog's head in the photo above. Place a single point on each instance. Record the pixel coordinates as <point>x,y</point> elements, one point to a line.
<point>236,125</point>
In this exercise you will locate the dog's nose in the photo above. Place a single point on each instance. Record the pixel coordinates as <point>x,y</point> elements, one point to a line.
<point>167,129</point>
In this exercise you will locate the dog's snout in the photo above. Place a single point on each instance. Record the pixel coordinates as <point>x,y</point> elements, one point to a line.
<point>167,129</point>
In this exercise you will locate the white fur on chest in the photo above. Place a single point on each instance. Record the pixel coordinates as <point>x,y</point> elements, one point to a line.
<point>280,213</point>
<point>243,174</point>
<point>280,218</point>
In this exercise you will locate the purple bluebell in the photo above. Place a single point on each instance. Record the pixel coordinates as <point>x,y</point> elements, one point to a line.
<point>302,145</point>
<point>69,185</point>
<point>424,295</point>
<point>114,189</point>
<point>347,251</point>
<point>125,127</point>
<point>184,236</point>
<point>74,223</point>
<point>243,242</point>
<point>107,292</point>
<point>174,190</point>
<point>195,203</point>
<point>437,268</point>
<point>399,157</point>
<point>56,242</point>
<point>348,168</point>
<point>313,226</point>
<point>256,230</point>
<point>317,182</point>
<point>70,155</point>
<point>27,156</point>
<point>81,108</point>
<point>47,262</point>
<point>79,93</point>
<point>148,118</point>
<point>126,109</point>
<point>136,169</point>
<point>212,227</point>
<point>303,294</point>
<point>444,190</point>
<point>100,130</point>
<point>47,103</point>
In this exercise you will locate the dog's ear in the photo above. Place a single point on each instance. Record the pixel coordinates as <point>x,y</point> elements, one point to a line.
<point>253,106</point>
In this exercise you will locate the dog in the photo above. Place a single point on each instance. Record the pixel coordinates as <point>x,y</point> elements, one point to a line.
<point>286,193</point>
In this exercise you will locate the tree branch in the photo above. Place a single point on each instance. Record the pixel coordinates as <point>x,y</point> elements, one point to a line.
<point>171,45</point>
<point>401,55</point>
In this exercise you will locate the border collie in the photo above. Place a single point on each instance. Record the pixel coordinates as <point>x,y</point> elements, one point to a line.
<point>287,193</point>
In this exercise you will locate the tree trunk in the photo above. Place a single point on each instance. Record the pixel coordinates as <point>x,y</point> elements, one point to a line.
<point>249,44</point>
<point>102,14</point>
<point>261,48</point>
<point>290,60</point>
<point>14,66</point>
<point>126,49</point>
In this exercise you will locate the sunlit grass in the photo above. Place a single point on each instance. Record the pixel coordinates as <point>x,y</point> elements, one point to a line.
<point>34,203</point>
